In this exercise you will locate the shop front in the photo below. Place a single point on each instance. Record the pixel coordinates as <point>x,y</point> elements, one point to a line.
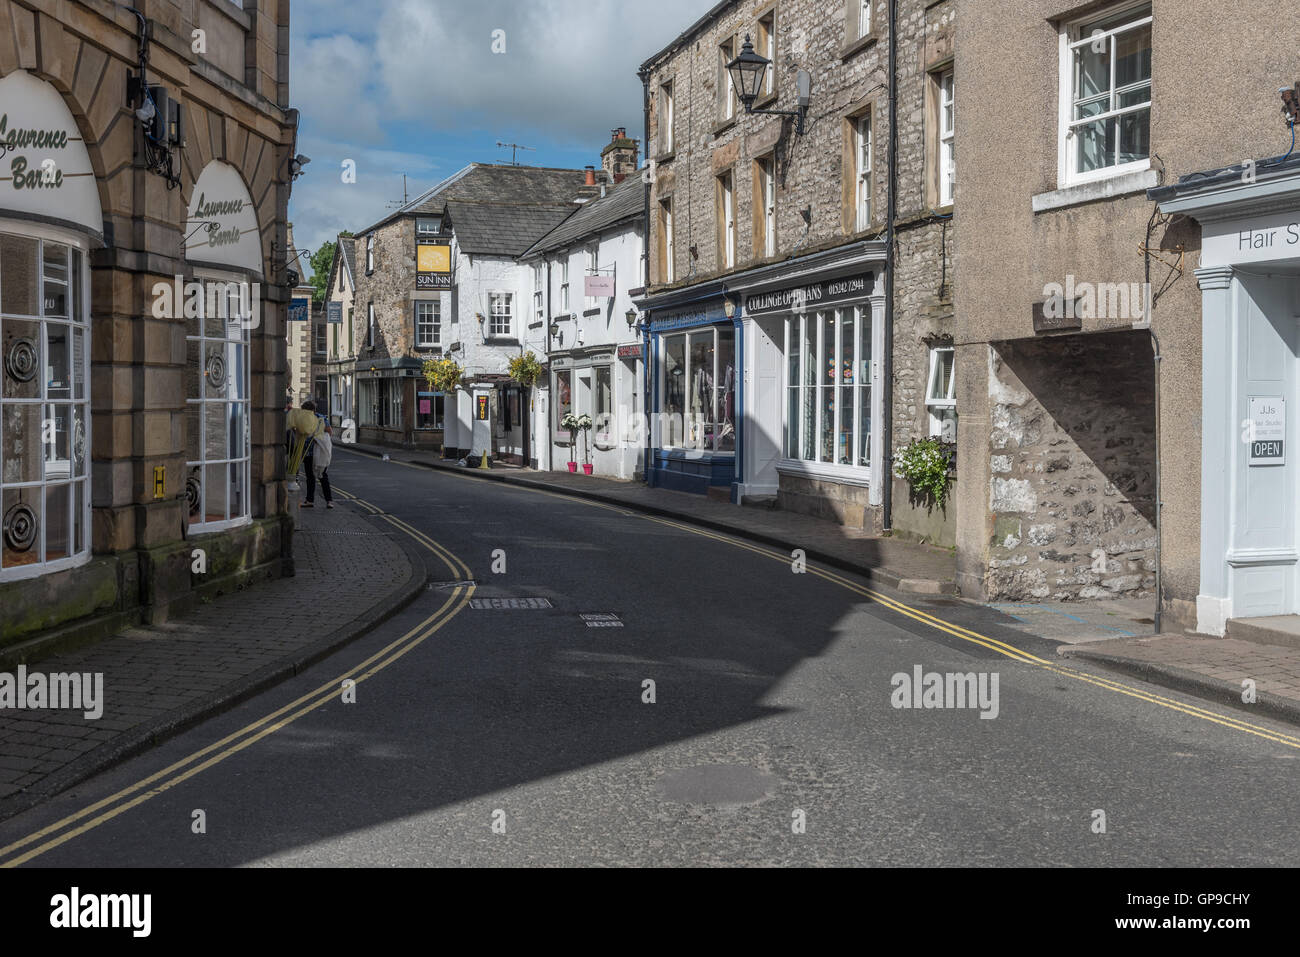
<point>605,383</point>
<point>1250,303</point>
<point>50,222</point>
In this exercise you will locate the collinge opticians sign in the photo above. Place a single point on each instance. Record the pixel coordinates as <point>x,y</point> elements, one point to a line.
<point>44,166</point>
<point>812,296</point>
<point>433,264</point>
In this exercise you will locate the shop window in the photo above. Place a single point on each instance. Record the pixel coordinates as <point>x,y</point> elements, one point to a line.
<point>941,396</point>
<point>563,403</point>
<point>217,406</point>
<point>429,410</point>
<point>828,386</point>
<point>699,389</point>
<point>1106,94</point>
<point>44,414</point>
<point>428,324</point>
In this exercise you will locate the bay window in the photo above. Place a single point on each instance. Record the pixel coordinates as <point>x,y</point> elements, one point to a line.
<point>699,390</point>
<point>828,387</point>
<point>44,405</point>
<point>217,408</point>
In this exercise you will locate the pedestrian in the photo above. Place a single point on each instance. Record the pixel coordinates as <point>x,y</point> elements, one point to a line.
<point>310,460</point>
<point>323,454</point>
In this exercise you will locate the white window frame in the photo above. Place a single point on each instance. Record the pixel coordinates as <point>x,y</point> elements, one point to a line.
<point>769,50</point>
<point>666,208</point>
<point>539,293</point>
<point>434,322</point>
<point>863,475</point>
<point>727,186</point>
<point>947,138</point>
<point>74,559</point>
<point>245,343</point>
<point>435,222</point>
<point>727,53</point>
<point>864,18</point>
<point>593,269</point>
<point>947,401</point>
<point>370,253</point>
<point>1071,40</point>
<point>564,285</point>
<point>494,316</point>
<point>370,327</point>
<point>711,416</point>
<point>666,109</point>
<point>767,180</point>
<point>862,162</point>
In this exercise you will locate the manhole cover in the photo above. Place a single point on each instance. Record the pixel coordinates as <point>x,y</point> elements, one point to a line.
<point>602,621</point>
<point>720,784</point>
<point>509,604</point>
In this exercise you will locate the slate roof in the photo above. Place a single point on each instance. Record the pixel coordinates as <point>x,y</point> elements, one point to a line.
<point>498,210</point>
<point>349,249</point>
<point>625,201</point>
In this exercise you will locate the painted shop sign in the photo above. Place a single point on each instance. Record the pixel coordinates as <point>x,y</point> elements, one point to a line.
<point>44,166</point>
<point>686,317</point>
<point>814,295</point>
<point>630,352</point>
<point>299,310</point>
<point>221,225</point>
<point>1259,239</point>
<point>334,312</point>
<point>433,264</point>
<point>482,408</point>
<point>598,287</point>
<point>1266,430</point>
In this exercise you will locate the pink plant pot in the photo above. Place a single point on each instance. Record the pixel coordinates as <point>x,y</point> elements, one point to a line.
<point>587,468</point>
<point>573,466</point>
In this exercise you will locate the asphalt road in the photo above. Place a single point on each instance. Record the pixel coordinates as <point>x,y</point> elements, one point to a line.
<point>772,738</point>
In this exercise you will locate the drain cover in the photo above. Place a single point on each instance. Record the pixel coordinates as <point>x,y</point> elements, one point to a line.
<point>602,621</point>
<point>719,784</point>
<point>509,604</point>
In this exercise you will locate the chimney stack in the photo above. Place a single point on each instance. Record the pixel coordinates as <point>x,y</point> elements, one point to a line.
<point>619,158</point>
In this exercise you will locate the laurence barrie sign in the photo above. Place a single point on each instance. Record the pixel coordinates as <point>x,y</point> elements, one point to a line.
<point>45,168</point>
<point>811,296</point>
<point>221,222</point>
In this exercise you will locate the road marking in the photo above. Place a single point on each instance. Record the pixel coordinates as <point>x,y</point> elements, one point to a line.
<point>239,740</point>
<point>940,624</point>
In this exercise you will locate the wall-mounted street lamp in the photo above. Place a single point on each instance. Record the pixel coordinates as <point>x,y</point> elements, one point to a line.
<point>747,72</point>
<point>631,318</point>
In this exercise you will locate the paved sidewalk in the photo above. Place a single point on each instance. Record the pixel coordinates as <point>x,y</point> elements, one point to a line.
<point>920,569</point>
<point>1212,668</point>
<point>350,575</point>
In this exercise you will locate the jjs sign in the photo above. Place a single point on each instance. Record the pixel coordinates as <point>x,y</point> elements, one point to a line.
<point>1266,431</point>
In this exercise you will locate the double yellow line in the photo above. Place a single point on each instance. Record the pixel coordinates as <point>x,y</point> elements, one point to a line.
<point>1001,647</point>
<point>169,777</point>
<point>947,627</point>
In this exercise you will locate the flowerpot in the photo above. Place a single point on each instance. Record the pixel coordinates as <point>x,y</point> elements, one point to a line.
<point>573,466</point>
<point>587,468</point>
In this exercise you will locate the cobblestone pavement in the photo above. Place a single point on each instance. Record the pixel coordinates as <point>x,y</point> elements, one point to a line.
<point>896,563</point>
<point>349,574</point>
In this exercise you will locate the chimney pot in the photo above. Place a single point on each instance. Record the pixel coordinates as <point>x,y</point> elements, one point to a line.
<point>591,176</point>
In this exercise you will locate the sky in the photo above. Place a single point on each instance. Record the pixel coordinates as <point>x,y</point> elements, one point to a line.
<point>415,87</point>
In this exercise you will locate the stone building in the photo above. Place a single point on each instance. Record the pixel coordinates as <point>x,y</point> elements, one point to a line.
<point>439,277</point>
<point>781,366</point>
<point>340,317</point>
<point>142,303</point>
<point>1126,335</point>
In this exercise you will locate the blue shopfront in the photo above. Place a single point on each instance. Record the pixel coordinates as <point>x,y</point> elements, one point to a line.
<point>696,399</point>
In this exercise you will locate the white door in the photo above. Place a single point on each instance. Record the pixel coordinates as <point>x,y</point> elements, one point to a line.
<point>763,406</point>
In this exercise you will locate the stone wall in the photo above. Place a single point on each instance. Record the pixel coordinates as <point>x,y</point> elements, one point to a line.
<point>849,76</point>
<point>1071,452</point>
